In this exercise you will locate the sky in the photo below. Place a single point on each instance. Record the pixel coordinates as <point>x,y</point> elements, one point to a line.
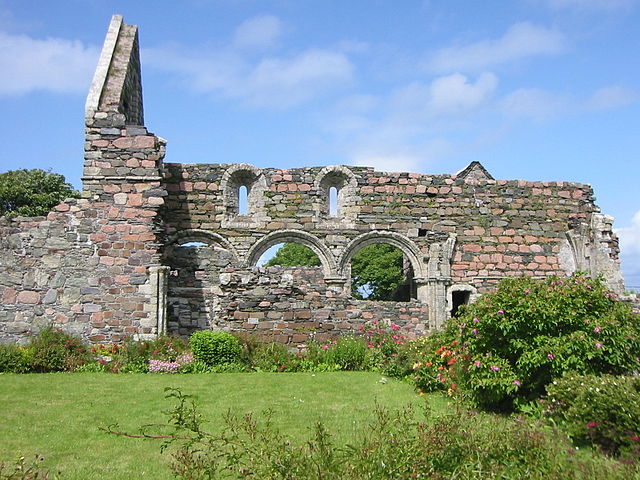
<point>533,89</point>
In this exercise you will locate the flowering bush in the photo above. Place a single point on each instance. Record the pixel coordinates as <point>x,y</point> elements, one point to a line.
<point>384,343</point>
<point>528,332</point>
<point>53,350</point>
<point>604,410</point>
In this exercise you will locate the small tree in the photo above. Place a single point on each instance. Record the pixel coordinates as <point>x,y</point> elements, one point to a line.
<point>32,192</point>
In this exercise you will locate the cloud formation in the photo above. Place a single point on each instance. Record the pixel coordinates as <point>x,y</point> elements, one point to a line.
<point>262,31</point>
<point>630,251</point>
<point>234,70</point>
<point>590,5</point>
<point>51,64</point>
<point>519,41</point>
<point>540,104</point>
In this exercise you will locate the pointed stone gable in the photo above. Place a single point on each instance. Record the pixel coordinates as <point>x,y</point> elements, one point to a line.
<point>474,171</point>
<point>117,86</point>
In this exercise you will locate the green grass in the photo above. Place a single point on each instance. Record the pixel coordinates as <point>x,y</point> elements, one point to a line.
<point>58,415</point>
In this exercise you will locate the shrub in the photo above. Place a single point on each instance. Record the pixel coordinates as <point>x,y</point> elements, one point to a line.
<point>397,444</point>
<point>215,348</point>
<point>349,353</point>
<point>604,410</point>
<point>526,333</point>
<point>53,350</point>
<point>13,359</point>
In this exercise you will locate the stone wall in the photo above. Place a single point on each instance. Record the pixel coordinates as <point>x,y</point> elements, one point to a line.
<point>156,247</point>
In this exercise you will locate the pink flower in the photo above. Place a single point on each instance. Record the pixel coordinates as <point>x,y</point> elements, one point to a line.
<point>325,347</point>
<point>495,368</point>
<point>597,329</point>
<point>477,363</point>
<point>516,382</point>
<point>500,312</point>
<point>598,345</point>
<point>395,327</point>
<point>592,424</point>
<point>635,438</point>
<point>474,331</point>
<point>475,320</point>
<point>551,356</point>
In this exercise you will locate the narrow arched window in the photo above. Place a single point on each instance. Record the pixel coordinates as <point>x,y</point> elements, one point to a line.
<point>243,195</point>
<point>333,202</point>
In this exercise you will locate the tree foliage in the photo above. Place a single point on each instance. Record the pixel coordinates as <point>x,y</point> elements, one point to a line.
<point>376,272</point>
<point>32,193</point>
<point>293,255</point>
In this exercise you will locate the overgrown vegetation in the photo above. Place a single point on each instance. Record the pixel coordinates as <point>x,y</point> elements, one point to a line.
<point>397,444</point>
<point>32,193</point>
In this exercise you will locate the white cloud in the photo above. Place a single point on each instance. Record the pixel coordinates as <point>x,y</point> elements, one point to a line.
<point>611,97</point>
<point>289,81</point>
<point>521,40</point>
<point>264,81</point>
<point>540,104</point>
<point>454,93</point>
<point>630,251</point>
<point>590,5</point>
<point>53,64</point>
<point>262,31</point>
<point>450,95</point>
<point>400,158</point>
<point>630,236</point>
<point>533,102</point>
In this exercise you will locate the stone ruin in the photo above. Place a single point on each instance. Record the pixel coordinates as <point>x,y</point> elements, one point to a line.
<point>155,247</point>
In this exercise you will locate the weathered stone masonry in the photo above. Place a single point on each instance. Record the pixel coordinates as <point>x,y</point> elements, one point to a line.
<point>158,247</point>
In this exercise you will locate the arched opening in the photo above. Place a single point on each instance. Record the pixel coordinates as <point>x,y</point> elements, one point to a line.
<point>458,299</point>
<point>381,271</point>
<point>290,254</point>
<point>333,202</point>
<point>243,200</point>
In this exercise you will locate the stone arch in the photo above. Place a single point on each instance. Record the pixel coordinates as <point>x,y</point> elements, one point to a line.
<point>243,175</point>
<point>344,181</point>
<point>408,248</point>
<point>297,236</point>
<point>204,236</point>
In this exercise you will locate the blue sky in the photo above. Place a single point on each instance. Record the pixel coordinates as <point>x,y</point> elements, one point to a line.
<point>533,89</point>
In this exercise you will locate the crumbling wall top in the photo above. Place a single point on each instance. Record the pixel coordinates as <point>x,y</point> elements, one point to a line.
<point>116,88</point>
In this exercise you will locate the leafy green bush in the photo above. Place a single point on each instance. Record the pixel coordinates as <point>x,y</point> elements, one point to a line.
<point>350,353</point>
<point>604,410</point>
<point>53,351</point>
<point>517,339</point>
<point>215,348</point>
<point>13,359</point>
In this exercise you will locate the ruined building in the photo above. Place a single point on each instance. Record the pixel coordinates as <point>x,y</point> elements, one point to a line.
<point>156,247</point>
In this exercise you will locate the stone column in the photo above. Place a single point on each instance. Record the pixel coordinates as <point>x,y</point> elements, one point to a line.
<point>159,283</point>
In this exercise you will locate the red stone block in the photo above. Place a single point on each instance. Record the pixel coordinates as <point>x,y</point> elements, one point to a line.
<point>28,297</point>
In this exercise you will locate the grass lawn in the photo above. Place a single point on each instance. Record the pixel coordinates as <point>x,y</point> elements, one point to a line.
<point>58,415</point>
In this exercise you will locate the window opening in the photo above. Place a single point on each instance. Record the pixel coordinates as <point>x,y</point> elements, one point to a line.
<point>243,194</point>
<point>381,272</point>
<point>459,298</point>
<point>288,254</point>
<point>193,244</point>
<point>333,201</point>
